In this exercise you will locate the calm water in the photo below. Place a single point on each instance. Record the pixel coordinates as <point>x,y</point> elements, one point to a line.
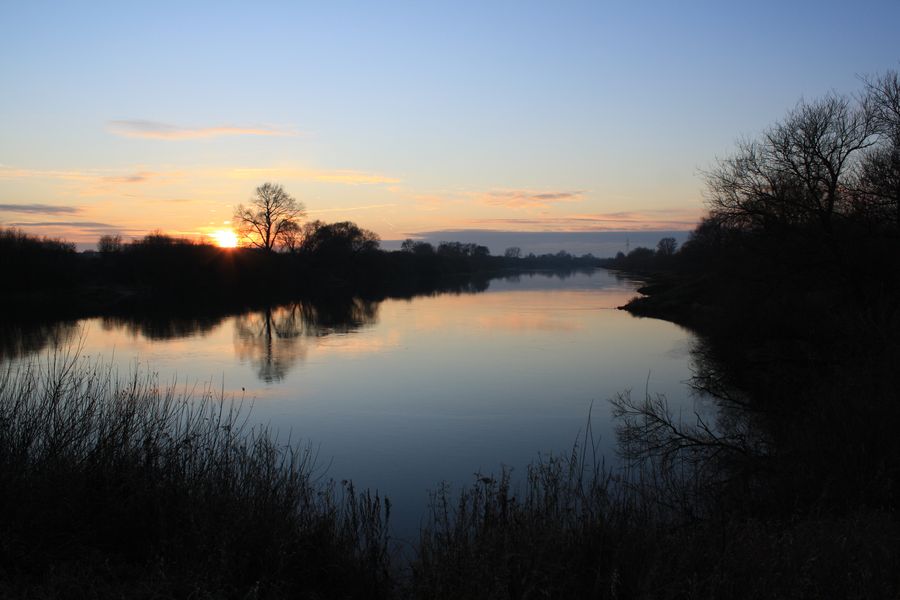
<point>403,394</point>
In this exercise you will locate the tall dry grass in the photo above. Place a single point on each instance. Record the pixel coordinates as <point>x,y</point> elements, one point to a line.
<point>113,485</point>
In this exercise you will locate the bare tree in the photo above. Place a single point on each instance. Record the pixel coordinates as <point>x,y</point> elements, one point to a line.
<point>877,184</point>
<point>345,238</point>
<point>270,218</point>
<point>666,246</point>
<point>110,244</point>
<point>417,247</point>
<point>884,96</point>
<point>798,171</point>
<point>876,190</point>
<point>291,237</point>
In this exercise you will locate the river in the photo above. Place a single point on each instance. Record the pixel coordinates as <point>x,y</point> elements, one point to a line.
<point>403,394</point>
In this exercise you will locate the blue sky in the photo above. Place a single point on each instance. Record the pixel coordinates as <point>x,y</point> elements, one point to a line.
<point>404,117</point>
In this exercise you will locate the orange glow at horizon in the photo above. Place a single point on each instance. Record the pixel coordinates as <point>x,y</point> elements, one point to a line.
<point>225,238</point>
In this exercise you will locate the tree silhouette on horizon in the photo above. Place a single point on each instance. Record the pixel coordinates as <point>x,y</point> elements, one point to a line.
<point>270,218</point>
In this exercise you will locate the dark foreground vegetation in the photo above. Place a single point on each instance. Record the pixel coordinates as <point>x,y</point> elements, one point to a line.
<point>785,485</point>
<point>116,487</point>
<point>793,282</point>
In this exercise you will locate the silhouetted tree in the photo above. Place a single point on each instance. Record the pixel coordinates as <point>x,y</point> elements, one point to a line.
<point>291,237</point>
<point>423,249</point>
<point>884,98</point>
<point>31,262</point>
<point>450,249</point>
<point>109,244</point>
<point>338,238</point>
<point>666,246</point>
<point>417,247</point>
<point>708,237</point>
<point>797,172</point>
<point>513,252</point>
<point>640,256</point>
<point>459,249</point>
<point>158,238</point>
<point>271,216</point>
<point>877,184</point>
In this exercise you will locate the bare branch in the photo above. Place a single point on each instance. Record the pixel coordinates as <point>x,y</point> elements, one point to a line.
<point>271,217</point>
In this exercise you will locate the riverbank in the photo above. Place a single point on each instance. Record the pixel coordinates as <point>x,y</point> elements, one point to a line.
<point>804,352</point>
<point>665,295</point>
<point>124,488</point>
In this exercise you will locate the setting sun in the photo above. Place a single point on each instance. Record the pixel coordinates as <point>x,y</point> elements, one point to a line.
<point>225,238</point>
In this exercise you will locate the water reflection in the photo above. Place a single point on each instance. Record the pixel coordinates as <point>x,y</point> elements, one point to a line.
<point>163,326</point>
<point>721,443</point>
<point>527,322</point>
<point>275,338</point>
<point>448,382</point>
<point>739,421</point>
<point>272,339</point>
<point>21,339</point>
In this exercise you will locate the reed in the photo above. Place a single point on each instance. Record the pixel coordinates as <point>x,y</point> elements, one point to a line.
<point>117,486</point>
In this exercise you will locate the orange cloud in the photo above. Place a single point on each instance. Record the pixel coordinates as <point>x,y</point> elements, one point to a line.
<point>141,177</point>
<point>530,199</point>
<point>91,176</point>
<point>674,219</point>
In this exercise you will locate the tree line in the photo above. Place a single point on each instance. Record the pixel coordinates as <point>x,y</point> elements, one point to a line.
<point>280,257</point>
<point>821,184</point>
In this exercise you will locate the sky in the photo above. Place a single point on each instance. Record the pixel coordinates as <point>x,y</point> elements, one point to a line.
<point>407,118</point>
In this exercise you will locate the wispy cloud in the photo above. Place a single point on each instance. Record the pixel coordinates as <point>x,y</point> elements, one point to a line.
<point>346,177</point>
<point>89,176</point>
<point>141,177</point>
<point>430,201</point>
<point>101,178</point>
<point>85,224</point>
<point>154,130</point>
<point>8,172</point>
<point>351,177</point>
<point>75,230</point>
<point>530,199</point>
<point>350,208</point>
<point>44,209</point>
<point>674,219</point>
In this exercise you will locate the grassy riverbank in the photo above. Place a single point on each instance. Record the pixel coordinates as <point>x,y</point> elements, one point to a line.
<point>117,487</point>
